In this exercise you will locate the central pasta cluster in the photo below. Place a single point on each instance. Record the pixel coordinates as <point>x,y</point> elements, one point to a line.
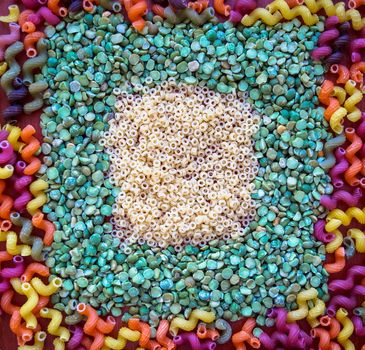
<point>183,158</point>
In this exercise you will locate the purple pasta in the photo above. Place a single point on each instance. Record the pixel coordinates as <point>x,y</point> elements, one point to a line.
<point>22,183</point>
<point>6,152</point>
<point>21,202</point>
<point>348,283</point>
<point>16,271</point>
<point>44,14</point>
<point>339,301</point>
<point>359,326</point>
<point>245,6</point>
<point>4,285</point>
<point>75,6</point>
<point>320,234</point>
<point>18,94</point>
<point>75,340</point>
<point>178,4</point>
<point>235,16</point>
<point>341,166</point>
<point>192,339</point>
<point>12,111</point>
<point>3,135</point>
<point>359,290</point>
<point>350,199</point>
<point>19,167</point>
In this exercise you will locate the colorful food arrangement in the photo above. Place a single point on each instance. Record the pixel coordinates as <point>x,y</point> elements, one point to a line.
<point>200,179</point>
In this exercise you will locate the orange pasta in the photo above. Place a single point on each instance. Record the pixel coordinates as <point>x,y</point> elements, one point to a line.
<point>92,317</point>
<point>23,334</point>
<point>325,92</point>
<point>342,71</point>
<point>158,10</point>
<point>332,107</point>
<point>135,12</point>
<point>334,325</point>
<point>356,72</point>
<point>339,263</point>
<point>53,5</point>
<point>355,163</point>
<point>33,145</point>
<point>5,225</point>
<point>136,325</point>
<point>221,8</point>
<point>324,338</point>
<point>107,326</point>
<point>5,256</point>
<point>42,302</point>
<point>353,4</point>
<point>32,269</point>
<point>98,341</point>
<point>86,342</point>
<point>27,26</point>
<point>161,335</point>
<point>206,333</point>
<point>6,204</point>
<point>245,335</point>
<point>87,5</point>
<point>29,43</point>
<point>293,3</point>
<point>199,5</point>
<point>45,225</point>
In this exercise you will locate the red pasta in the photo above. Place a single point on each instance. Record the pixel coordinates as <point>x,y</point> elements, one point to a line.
<point>339,263</point>
<point>342,71</point>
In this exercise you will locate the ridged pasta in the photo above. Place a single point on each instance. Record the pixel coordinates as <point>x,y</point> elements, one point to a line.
<point>354,113</point>
<point>37,189</point>
<point>54,327</point>
<point>12,247</point>
<point>13,15</point>
<point>188,325</point>
<point>39,339</point>
<point>120,343</point>
<point>262,14</point>
<point>7,78</point>
<point>26,310</point>
<point>13,137</point>
<point>328,148</point>
<point>36,90</point>
<point>359,238</point>
<point>45,225</point>
<point>356,166</point>
<point>337,218</point>
<point>43,289</point>
<point>332,246</point>
<point>35,63</point>
<point>339,263</point>
<point>347,330</point>
<point>291,13</point>
<point>302,299</point>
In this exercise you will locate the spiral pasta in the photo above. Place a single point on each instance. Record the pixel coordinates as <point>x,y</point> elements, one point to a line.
<point>12,247</point>
<point>188,325</point>
<point>26,310</point>
<point>221,7</point>
<point>32,269</point>
<point>161,335</point>
<point>302,311</point>
<point>53,5</point>
<point>316,5</point>
<point>291,13</point>
<point>36,62</point>
<point>13,15</point>
<point>46,290</point>
<point>350,15</point>
<point>262,14</point>
<point>332,246</point>
<point>13,137</point>
<point>37,189</point>
<point>36,90</point>
<point>354,113</point>
<point>54,327</point>
<point>359,238</point>
<point>124,334</point>
<point>339,263</point>
<point>355,163</point>
<point>25,24</point>
<point>342,72</point>
<point>328,148</point>
<point>337,217</point>
<point>7,78</point>
<point>347,330</point>
<point>45,225</point>
<point>245,335</point>
<point>39,339</point>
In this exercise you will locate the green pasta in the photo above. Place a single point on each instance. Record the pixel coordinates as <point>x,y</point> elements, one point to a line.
<point>73,319</point>
<point>196,18</point>
<point>26,237</point>
<point>14,69</point>
<point>329,147</point>
<point>226,329</point>
<point>36,90</point>
<point>36,62</point>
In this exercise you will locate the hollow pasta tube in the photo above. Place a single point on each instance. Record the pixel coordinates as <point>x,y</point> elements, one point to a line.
<point>359,238</point>
<point>26,310</point>
<point>39,339</point>
<point>120,343</point>
<point>317,310</point>
<point>13,15</point>
<point>16,249</point>
<point>37,189</point>
<point>188,325</point>
<point>54,327</point>
<point>261,14</point>
<point>339,263</point>
<point>347,329</point>
<point>46,290</point>
<point>302,311</point>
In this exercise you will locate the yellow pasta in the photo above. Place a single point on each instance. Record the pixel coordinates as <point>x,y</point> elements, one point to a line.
<point>350,15</point>
<point>46,290</point>
<point>54,327</point>
<point>354,113</point>
<point>39,339</point>
<point>37,189</point>
<point>6,171</point>
<point>339,93</point>
<point>120,343</point>
<point>27,308</point>
<point>337,217</point>
<point>188,325</point>
<point>291,13</point>
<point>59,344</point>
<point>332,246</point>
<point>13,15</point>
<point>359,238</point>
<point>3,68</point>
<point>13,137</point>
<point>261,14</point>
<point>317,5</point>
<point>317,310</point>
<point>346,331</point>
<point>302,311</point>
<point>17,285</point>
<point>337,119</point>
<point>13,248</point>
